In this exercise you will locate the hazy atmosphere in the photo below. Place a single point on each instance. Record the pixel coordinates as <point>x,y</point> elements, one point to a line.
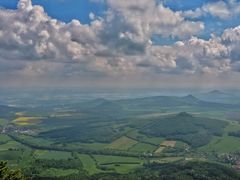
<point>119,89</point>
<point>109,43</point>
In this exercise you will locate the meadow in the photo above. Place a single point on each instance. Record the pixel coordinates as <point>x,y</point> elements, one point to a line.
<point>99,137</point>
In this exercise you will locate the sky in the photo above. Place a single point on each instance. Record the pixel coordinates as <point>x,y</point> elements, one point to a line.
<point>120,44</point>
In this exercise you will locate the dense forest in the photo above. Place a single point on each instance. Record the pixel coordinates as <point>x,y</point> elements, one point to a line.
<point>196,131</point>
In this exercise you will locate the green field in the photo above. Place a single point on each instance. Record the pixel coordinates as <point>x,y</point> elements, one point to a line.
<point>233,126</point>
<point>101,159</point>
<point>143,138</point>
<point>4,139</point>
<point>97,146</point>
<point>35,140</point>
<point>52,172</point>
<point>89,164</point>
<point>10,145</point>
<point>142,147</point>
<point>118,164</point>
<point>10,155</point>
<point>98,138</point>
<point>224,144</point>
<point>123,143</point>
<point>55,155</point>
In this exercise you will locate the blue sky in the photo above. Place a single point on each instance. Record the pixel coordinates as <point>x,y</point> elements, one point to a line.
<point>212,24</point>
<point>185,4</point>
<point>165,42</point>
<point>66,10</point>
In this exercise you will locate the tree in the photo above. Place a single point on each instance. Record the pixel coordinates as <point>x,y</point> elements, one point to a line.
<point>8,174</point>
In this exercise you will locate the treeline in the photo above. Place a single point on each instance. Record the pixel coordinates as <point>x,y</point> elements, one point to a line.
<point>9,174</point>
<point>235,133</point>
<point>58,164</point>
<point>177,171</point>
<point>195,139</point>
<point>79,149</point>
<point>40,165</point>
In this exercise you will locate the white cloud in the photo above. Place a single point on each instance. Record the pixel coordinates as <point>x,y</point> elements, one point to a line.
<point>145,17</point>
<point>25,5</point>
<point>116,45</point>
<point>221,9</point>
<point>31,34</point>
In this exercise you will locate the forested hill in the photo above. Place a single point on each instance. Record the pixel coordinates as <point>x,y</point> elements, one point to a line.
<point>155,102</point>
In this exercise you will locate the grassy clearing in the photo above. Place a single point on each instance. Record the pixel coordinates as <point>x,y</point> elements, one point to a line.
<point>56,155</point>
<point>89,164</point>
<point>11,145</point>
<point>142,147</point>
<point>118,164</point>
<point>123,143</point>
<point>102,159</point>
<point>223,144</point>
<point>52,172</point>
<point>154,140</point>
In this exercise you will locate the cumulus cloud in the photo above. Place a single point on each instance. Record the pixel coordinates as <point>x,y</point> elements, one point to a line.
<point>221,9</point>
<point>144,18</point>
<point>231,38</point>
<point>25,5</point>
<point>118,44</point>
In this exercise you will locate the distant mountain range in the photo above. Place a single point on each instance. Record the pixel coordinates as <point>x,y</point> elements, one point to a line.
<point>157,102</point>
<point>218,93</point>
<point>219,96</point>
